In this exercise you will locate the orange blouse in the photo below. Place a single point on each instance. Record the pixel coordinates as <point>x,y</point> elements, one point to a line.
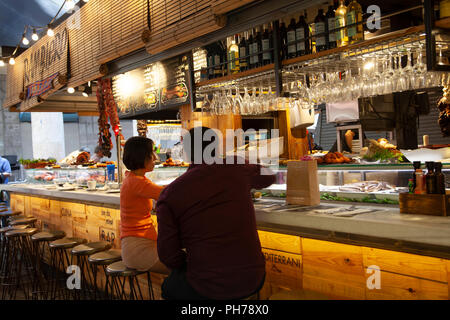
<point>136,196</point>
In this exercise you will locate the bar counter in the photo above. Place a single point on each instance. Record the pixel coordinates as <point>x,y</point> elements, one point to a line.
<point>332,248</point>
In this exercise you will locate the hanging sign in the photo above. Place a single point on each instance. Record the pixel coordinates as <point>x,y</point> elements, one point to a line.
<point>40,87</point>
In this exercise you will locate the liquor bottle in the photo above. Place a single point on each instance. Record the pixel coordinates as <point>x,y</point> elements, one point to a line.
<point>223,58</point>
<point>243,51</point>
<point>430,178</point>
<point>416,165</point>
<point>210,61</point>
<point>440,178</point>
<point>420,186</point>
<point>354,15</point>
<point>319,31</point>
<point>303,37</point>
<point>250,50</point>
<point>330,26</point>
<point>266,42</point>
<point>283,40</point>
<point>233,55</point>
<point>335,4</point>
<point>291,46</point>
<point>257,47</point>
<point>340,18</point>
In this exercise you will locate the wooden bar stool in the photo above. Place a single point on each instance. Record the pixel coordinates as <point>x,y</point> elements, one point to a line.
<point>4,257</point>
<point>81,252</point>
<point>7,214</point>
<point>103,259</point>
<point>118,270</point>
<point>60,261</point>
<point>19,251</point>
<point>28,220</point>
<point>40,247</point>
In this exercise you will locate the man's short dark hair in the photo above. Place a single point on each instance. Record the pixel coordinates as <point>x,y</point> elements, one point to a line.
<point>189,142</point>
<point>98,149</point>
<point>136,151</point>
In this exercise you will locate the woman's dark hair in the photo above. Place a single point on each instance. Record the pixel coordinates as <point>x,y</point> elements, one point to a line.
<point>136,151</point>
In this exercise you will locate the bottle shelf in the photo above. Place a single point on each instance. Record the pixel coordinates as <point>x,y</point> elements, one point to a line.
<point>236,76</point>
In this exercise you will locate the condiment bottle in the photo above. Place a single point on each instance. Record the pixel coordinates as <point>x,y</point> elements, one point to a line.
<point>440,178</point>
<point>420,187</point>
<point>416,165</point>
<point>430,178</point>
<point>411,185</point>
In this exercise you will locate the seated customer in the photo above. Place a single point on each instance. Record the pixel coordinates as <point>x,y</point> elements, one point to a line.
<point>207,228</point>
<point>137,233</point>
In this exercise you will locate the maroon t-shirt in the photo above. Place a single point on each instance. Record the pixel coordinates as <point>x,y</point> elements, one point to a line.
<point>209,212</point>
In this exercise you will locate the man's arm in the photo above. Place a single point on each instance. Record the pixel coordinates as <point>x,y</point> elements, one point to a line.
<point>169,244</point>
<point>261,177</point>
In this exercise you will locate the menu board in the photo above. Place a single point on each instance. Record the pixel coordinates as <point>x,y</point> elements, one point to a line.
<point>154,87</point>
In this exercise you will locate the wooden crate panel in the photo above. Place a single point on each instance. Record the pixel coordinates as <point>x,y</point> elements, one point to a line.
<point>103,225</point>
<point>281,242</point>
<point>17,202</point>
<point>333,262</point>
<point>283,269</point>
<point>396,286</point>
<point>70,212</point>
<point>333,288</point>
<point>407,264</point>
<point>40,208</point>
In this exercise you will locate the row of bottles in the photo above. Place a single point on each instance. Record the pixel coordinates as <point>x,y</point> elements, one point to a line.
<point>254,48</point>
<point>433,182</point>
<point>244,51</point>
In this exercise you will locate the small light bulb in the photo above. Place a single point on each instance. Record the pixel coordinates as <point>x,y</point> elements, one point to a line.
<point>70,4</point>
<point>25,41</point>
<point>2,63</point>
<point>50,32</point>
<point>70,90</point>
<point>12,61</point>
<point>34,36</point>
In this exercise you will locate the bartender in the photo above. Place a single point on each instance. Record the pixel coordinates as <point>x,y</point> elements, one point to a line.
<point>98,154</point>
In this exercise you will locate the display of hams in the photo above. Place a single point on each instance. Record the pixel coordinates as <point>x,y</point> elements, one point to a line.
<point>444,112</point>
<point>142,128</point>
<point>76,158</point>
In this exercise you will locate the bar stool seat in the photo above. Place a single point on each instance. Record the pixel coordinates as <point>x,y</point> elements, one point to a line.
<point>22,232</point>
<point>9,213</point>
<point>105,257</point>
<point>120,269</point>
<point>66,243</point>
<point>48,235</point>
<point>29,220</point>
<point>18,227</point>
<point>91,248</point>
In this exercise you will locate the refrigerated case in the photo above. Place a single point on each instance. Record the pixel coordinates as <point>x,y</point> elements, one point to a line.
<point>79,176</point>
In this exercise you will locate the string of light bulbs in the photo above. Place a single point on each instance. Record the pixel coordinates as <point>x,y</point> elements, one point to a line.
<point>34,36</point>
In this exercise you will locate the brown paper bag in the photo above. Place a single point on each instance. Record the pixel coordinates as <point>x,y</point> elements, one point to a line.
<point>302,183</point>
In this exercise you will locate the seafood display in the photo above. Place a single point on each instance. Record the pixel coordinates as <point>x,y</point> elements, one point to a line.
<point>367,186</point>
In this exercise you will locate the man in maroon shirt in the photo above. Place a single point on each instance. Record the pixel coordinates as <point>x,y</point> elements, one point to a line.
<point>207,229</point>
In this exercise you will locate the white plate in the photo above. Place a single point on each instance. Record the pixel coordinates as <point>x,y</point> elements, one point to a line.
<point>66,189</point>
<point>113,191</point>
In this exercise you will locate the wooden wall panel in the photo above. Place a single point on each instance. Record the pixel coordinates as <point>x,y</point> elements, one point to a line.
<point>280,242</point>
<point>17,202</point>
<point>334,269</point>
<point>40,209</point>
<point>103,225</point>
<point>283,269</point>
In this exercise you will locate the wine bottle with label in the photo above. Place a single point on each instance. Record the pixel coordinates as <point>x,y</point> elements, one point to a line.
<point>340,18</point>
<point>355,29</point>
<point>210,61</point>
<point>233,55</point>
<point>267,57</point>
<point>303,37</point>
<point>243,52</point>
<point>319,31</point>
<point>291,46</point>
<point>330,26</point>
<point>257,47</point>
<point>250,50</point>
<point>283,40</point>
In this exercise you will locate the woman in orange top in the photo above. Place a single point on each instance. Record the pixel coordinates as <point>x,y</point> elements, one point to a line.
<point>137,232</point>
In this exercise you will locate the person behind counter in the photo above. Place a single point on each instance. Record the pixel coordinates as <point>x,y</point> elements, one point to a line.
<point>98,154</point>
<point>137,232</point>
<point>207,228</point>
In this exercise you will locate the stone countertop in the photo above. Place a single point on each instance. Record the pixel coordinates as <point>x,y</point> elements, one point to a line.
<point>384,227</point>
<point>79,195</point>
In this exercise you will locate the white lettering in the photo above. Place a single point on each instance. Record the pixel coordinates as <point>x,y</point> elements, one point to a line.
<point>374,281</point>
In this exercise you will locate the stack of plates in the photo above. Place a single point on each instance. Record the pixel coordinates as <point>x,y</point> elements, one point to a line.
<point>356,148</point>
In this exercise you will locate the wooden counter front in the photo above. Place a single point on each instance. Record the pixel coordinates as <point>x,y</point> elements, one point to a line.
<point>293,262</point>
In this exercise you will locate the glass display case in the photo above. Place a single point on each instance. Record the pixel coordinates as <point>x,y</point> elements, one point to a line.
<point>165,175</point>
<point>373,183</point>
<point>71,175</point>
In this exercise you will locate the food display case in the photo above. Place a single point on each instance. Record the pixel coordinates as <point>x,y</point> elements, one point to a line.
<point>372,183</point>
<point>78,175</point>
<point>165,175</point>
